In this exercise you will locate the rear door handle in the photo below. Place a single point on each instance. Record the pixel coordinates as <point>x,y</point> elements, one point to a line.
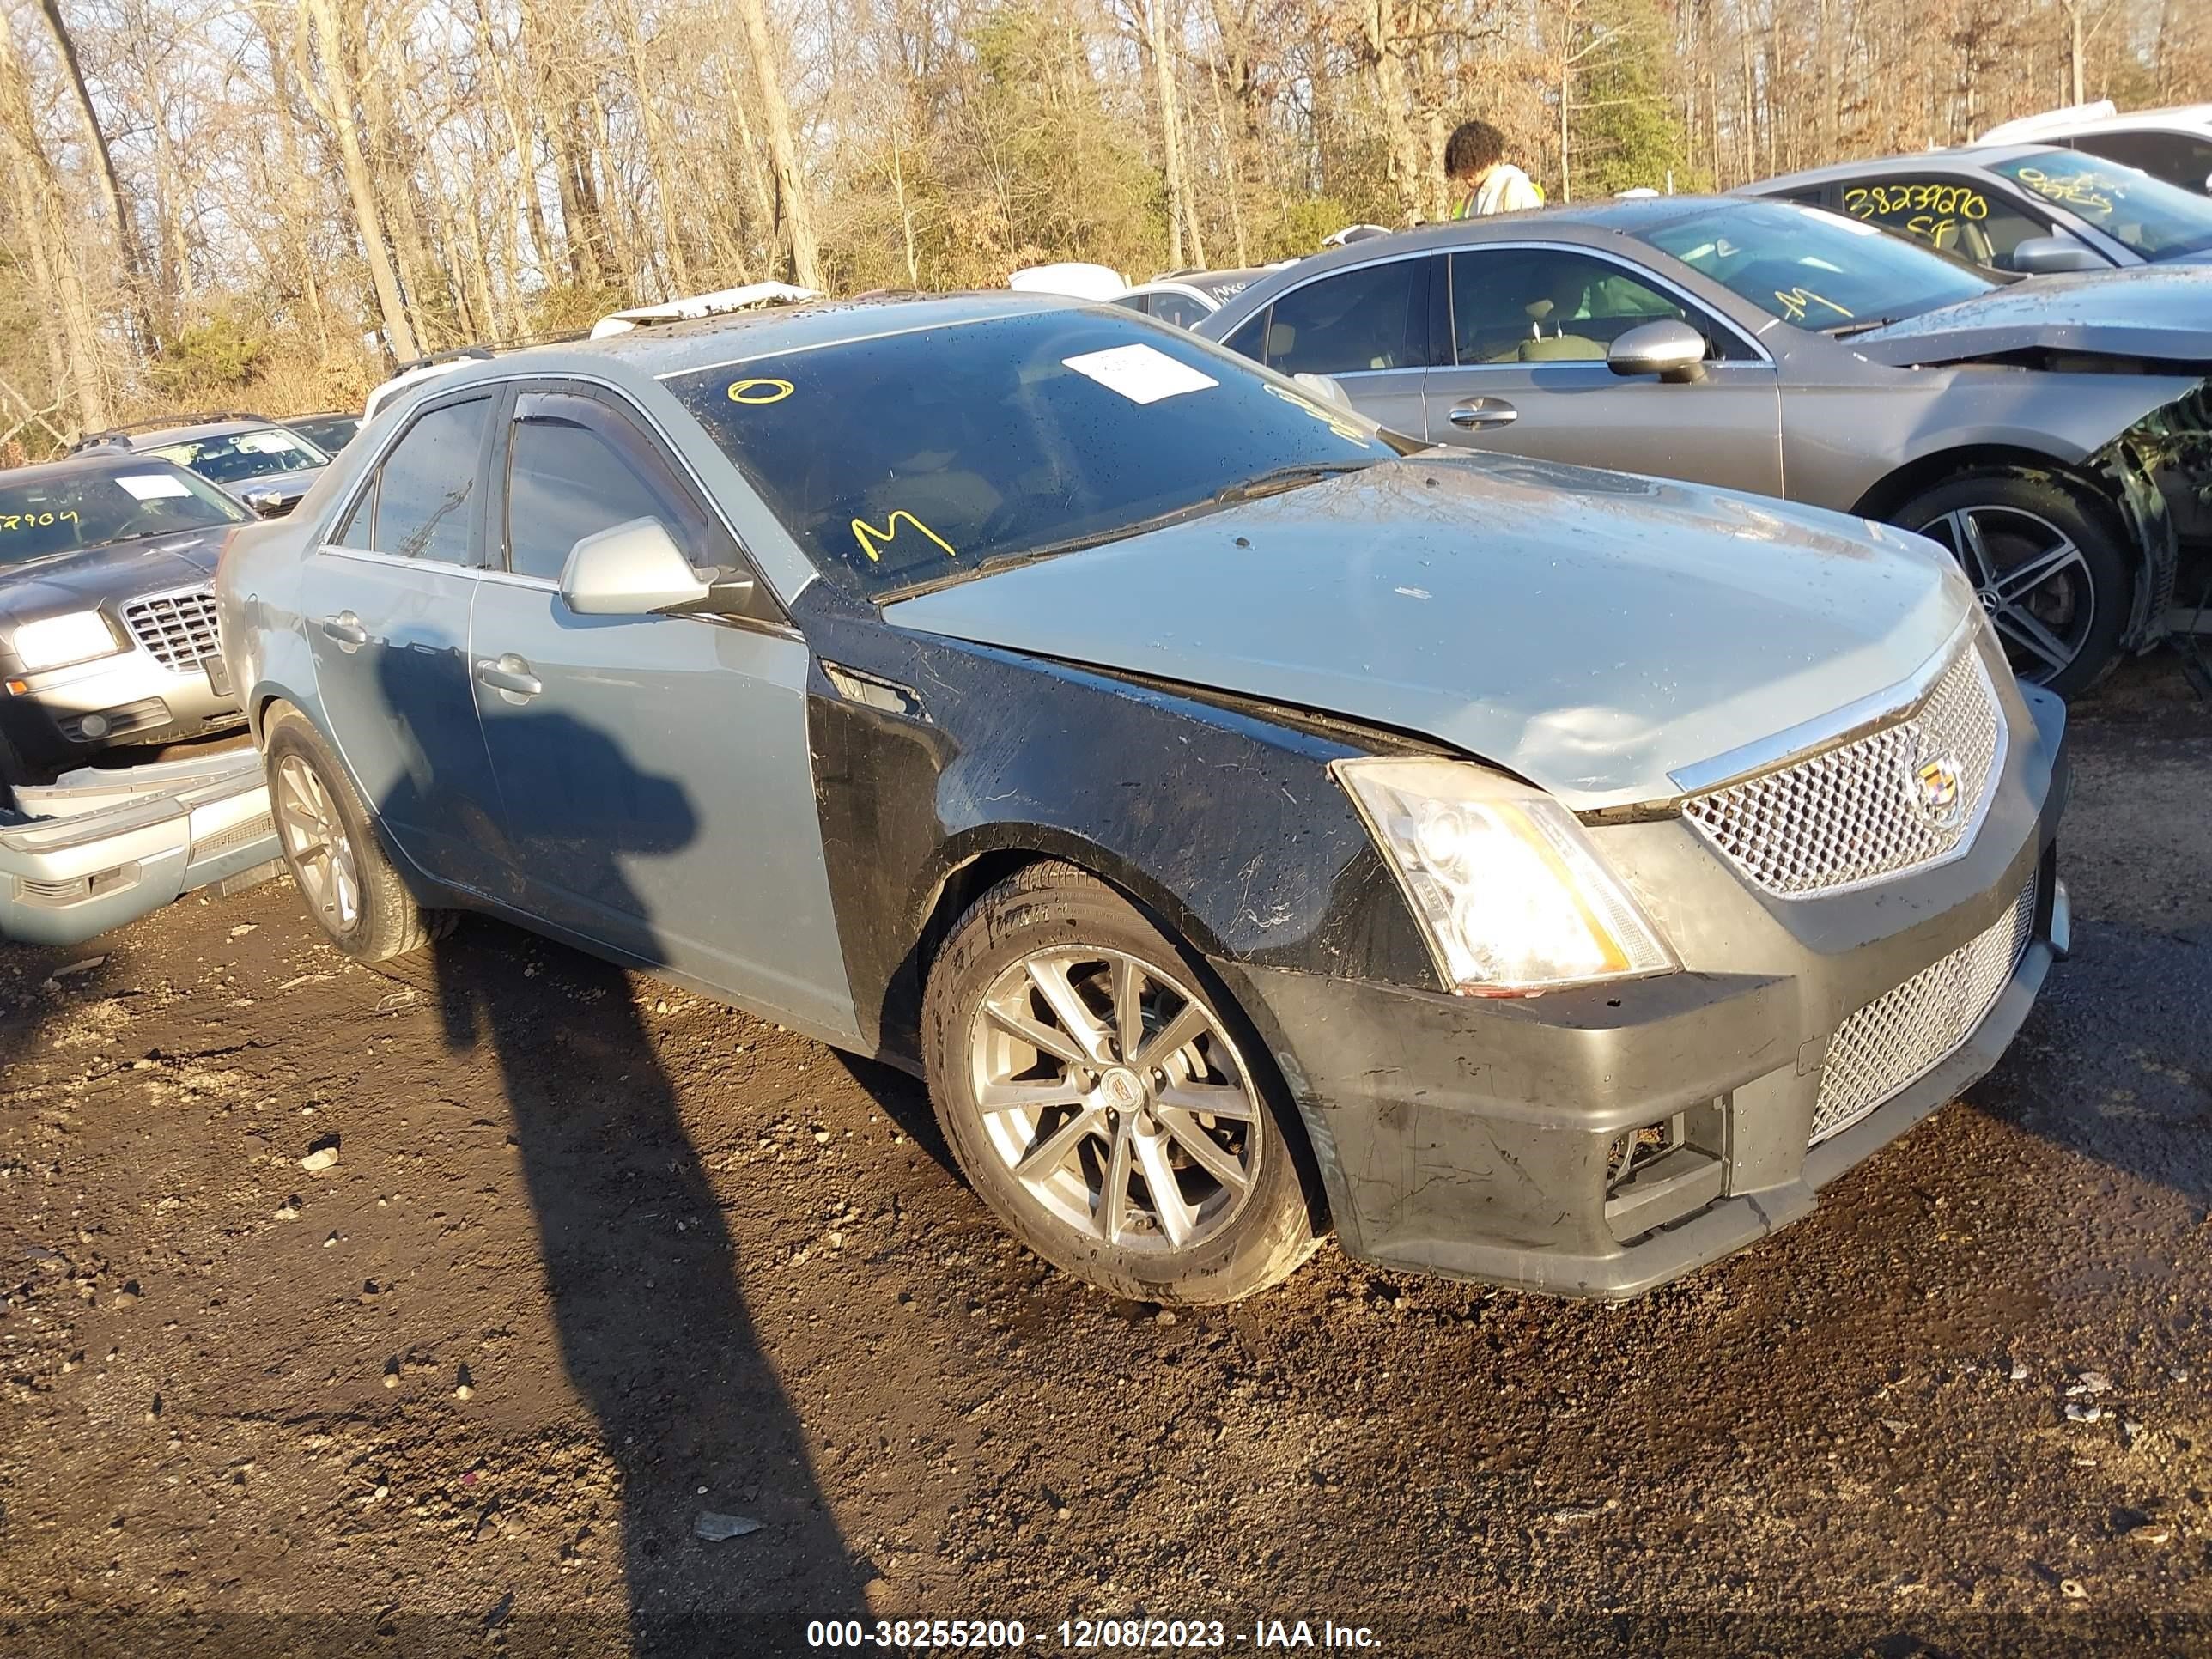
<point>509,676</point>
<point>344,627</point>
<point>1480,414</point>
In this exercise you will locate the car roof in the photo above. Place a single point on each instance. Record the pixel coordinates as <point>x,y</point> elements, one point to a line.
<point>161,436</point>
<point>1590,225</point>
<point>1965,155</point>
<point>91,460</point>
<point>2059,124</point>
<point>667,348</point>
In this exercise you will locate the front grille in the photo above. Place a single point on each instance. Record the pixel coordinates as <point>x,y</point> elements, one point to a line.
<point>1858,813</point>
<point>1904,1034</point>
<point>178,628</point>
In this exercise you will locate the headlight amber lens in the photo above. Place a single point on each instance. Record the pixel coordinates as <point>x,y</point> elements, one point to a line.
<point>1513,897</point>
<point>58,641</point>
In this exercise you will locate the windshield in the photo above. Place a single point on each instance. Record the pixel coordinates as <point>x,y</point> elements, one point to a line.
<point>329,432</point>
<point>1811,268</point>
<point>919,457</point>
<point>92,505</point>
<point>2151,217</point>
<point>236,455</point>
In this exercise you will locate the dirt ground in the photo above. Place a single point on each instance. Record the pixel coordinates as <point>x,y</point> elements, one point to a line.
<point>596,1258</point>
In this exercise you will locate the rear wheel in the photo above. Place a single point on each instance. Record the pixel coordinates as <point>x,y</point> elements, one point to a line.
<point>356,896</point>
<point>2051,570</point>
<point>1106,1102</point>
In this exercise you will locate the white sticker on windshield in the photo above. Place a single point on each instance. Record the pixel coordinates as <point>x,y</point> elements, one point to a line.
<point>153,486</point>
<point>1141,373</point>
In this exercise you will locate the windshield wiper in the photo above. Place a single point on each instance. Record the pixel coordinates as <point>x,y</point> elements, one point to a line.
<point>1864,325</point>
<point>1276,480</point>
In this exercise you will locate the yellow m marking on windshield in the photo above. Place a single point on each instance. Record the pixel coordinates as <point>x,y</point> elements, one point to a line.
<point>871,538</point>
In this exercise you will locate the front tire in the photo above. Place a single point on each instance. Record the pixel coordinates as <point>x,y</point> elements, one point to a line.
<point>1106,1102</point>
<point>2049,567</point>
<point>352,892</point>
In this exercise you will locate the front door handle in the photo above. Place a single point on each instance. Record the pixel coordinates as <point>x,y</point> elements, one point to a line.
<point>509,676</point>
<point>344,627</point>
<point>1480,414</point>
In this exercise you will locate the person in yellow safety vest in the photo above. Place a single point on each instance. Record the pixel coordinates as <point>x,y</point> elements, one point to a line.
<point>1480,177</point>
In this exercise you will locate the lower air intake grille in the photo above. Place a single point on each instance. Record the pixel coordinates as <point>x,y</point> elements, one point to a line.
<point>1902,1036</point>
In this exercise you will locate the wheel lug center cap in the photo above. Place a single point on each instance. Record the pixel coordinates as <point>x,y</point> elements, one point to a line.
<point>1121,1090</point>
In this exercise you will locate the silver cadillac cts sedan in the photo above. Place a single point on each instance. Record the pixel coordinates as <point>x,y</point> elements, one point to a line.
<point>1249,827</point>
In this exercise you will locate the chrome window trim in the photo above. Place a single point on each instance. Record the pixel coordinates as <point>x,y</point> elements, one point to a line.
<point>537,584</point>
<point>1641,272</point>
<point>1853,720</point>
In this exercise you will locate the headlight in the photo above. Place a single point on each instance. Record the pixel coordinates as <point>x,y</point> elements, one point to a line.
<point>57,641</point>
<point>1509,890</point>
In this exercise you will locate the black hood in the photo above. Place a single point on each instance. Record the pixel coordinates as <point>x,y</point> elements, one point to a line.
<point>107,577</point>
<point>2160,314</point>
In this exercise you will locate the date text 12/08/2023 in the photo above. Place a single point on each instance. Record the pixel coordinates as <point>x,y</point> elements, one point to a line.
<point>1135,1633</point>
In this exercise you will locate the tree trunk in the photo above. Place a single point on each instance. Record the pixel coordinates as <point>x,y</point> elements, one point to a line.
<point>1378,28</point>
<point>795,215</point>
<point>1182,211</point>
<point>40,186</point>
<point>111,186</point>
<point>335,105</point>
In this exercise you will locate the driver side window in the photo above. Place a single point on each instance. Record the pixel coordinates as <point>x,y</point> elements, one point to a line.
<point>576,467</point>
<point>1551,305</point>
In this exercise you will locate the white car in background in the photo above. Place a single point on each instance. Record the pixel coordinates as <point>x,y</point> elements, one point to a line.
<point>2173,144</point>
<point>1188,298</point>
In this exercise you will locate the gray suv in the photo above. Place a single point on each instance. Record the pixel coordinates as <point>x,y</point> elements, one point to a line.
<point>105,616</point>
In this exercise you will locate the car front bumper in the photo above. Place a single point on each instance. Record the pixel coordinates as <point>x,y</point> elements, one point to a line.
<point>133,698</point>
<point>1473,1137</point>
<point>102,847</point>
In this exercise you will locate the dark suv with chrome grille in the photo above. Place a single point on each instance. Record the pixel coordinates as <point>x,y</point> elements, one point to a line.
<point>105,616</point>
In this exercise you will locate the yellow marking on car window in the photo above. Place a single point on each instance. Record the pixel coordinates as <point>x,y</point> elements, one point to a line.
<point>1796,301</point>
<point>1927,196</point>
<point>1336,420</point>
<point>36,520</point>
<point>765,389</point>
<point>871,538</point>
<point>2085,190</point>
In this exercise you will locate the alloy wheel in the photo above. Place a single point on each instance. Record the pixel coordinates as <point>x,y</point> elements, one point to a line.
<point>2032,581</point>
<point>1112,1094</point>
<point>322,852</point>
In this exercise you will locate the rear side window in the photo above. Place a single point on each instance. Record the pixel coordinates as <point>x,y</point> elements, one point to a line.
<point>1353,322</point>
<point>425,490</point>
<point>2180,158</point>
<point>1178,308</point>
<point>1245,342</point>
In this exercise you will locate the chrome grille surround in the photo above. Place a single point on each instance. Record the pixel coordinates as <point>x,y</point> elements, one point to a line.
<point>1907,1033</point>
<point>1851,814</point>
<point>177,628</point>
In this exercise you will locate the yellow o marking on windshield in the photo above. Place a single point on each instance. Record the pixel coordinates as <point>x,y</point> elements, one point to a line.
<point>743,392</point>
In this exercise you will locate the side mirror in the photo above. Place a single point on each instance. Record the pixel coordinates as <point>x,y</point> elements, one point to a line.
<point>1324,387</point>
<point>632,569</point>
<point>2048,256</point>
<point>269,503</point>
<point>1670,349</point>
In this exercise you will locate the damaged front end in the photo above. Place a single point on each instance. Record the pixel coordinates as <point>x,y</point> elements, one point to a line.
<point>2160,471</point>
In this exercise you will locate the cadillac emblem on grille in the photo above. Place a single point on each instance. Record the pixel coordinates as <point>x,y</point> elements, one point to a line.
<point>1903,796</point>
<point>1936,791</point>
